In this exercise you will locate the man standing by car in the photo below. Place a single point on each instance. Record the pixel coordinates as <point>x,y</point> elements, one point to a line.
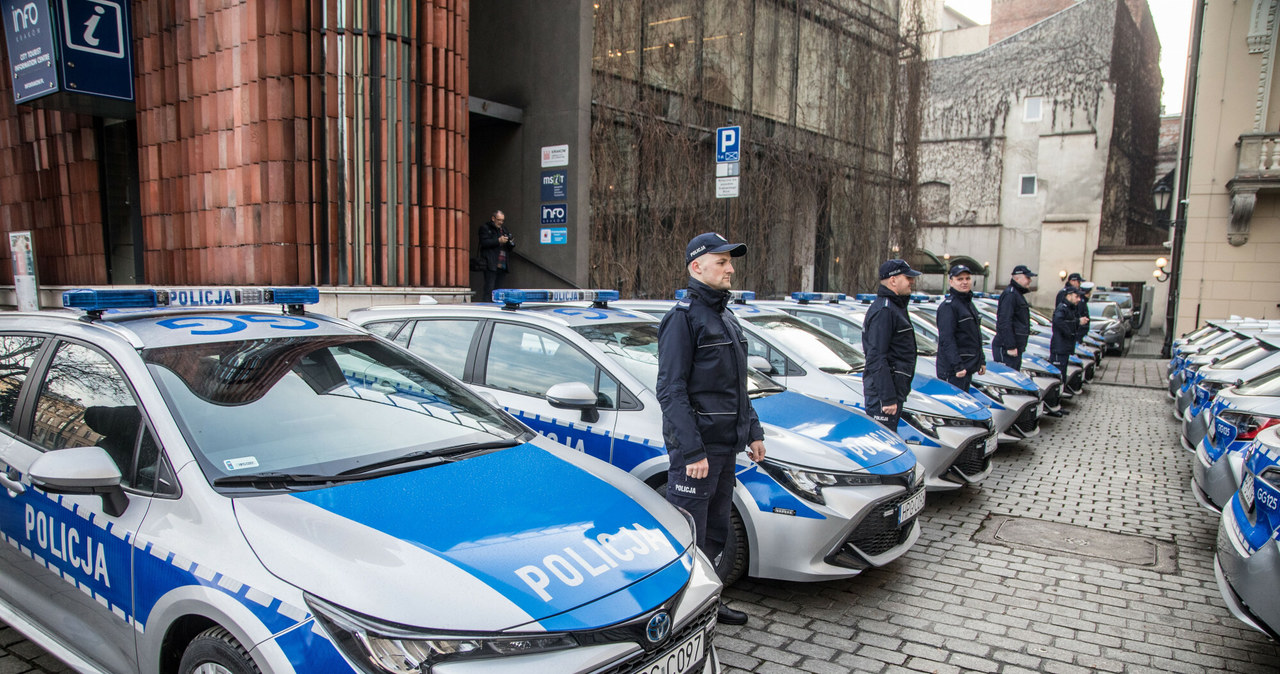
<point>1067,323</point>
<point>1013,319</point>
<point>707,416</point>
<point>889,342</point>
<point>959,333</point>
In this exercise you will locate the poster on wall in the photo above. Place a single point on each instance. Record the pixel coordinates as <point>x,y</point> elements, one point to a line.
<point>24,271</point>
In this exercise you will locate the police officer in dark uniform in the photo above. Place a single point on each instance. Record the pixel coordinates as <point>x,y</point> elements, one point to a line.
<point>889,343</point>
<point>1067,324</point>
<point>707,416</point>
<point>959,332</point>
<point>1082,308</point>
<point>1013,319</point>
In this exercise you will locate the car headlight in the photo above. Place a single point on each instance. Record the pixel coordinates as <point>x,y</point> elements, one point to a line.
<point>379,648</point>
<point>808,483</point>
<point>993,392</point>
<point>930,423</point>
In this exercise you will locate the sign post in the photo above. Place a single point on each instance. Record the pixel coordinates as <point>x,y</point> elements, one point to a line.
<point>728,161</point>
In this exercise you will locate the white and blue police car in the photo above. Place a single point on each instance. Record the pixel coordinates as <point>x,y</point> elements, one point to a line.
<point>1238,415</point>
<point>236,488</point>
<point>1247,562</point>
<point>949,431</point>
<point>836,494</point>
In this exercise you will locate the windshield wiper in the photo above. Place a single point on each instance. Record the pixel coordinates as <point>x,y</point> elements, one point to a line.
<point>271,480</point>
<point>437,453</point>
<point>838,370</point>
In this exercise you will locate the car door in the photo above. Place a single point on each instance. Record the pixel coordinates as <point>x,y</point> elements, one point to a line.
<point>69,563</point>
<point>518,363</point>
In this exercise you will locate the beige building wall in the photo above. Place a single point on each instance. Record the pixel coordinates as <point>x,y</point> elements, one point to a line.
<point>1232,98</point>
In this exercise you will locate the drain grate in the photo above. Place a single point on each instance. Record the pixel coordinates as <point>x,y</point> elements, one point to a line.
<point>1078,541</point>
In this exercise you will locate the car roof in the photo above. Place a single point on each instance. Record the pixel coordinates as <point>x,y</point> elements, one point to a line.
<point>571,314</point>
<point>154,328</point>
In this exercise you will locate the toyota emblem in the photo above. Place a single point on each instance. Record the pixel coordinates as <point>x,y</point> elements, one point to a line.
<point>659,627</point>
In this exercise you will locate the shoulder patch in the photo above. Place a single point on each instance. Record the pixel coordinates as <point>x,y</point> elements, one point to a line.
<point>684,304</point>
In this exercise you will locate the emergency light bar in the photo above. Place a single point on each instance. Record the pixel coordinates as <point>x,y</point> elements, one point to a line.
<point>865,297</point>
<point>738,296</point>
<point>99,300</point>
<point>919,297</point>
<point>806,297</point>
<point>512,299</point>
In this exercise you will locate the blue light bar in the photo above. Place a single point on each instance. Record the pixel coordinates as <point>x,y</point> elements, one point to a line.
<point>819,297</point>
<point>919,297</point>
<point>514,298</point>
<point>93,299</point>
<point>865,297</point>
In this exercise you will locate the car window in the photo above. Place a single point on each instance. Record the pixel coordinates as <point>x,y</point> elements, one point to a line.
<point>316,405</point>
<point>384,329</point>
<point>814,345</point>
<point>779,362</point>
<point>845,330</point>
<point>1267,385</point>
<point>85,401</point>
<point>1245,357</point>
<point>17,354</point>
<point>444,343</point>
<point>529,360</point>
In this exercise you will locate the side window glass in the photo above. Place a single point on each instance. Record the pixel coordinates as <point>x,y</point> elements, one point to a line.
<point>16,357</point>
<point>442,343</point>
<point>755,347</point>
<point>384,329</point>
<point>154,473</point>
<point>530,361</point>
<point>84,401</point>
<point>607,392</point>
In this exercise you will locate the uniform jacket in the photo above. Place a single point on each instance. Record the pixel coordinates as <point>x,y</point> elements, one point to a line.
<point>1013,319</point>
<point>489,244</point>
<point>959,335</point>
<point>1066,325</point>
<point>702,378</point>
<point>889,342</point>
<point>1081,308</point>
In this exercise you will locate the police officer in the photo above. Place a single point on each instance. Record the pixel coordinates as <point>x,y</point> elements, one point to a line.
<point>707,417</point>
<point>959,333</point>
<point>1082,310</point>
<point>1067,324</point>
<point>1074,280</point>
<point>1013,319</point>
<point>889,343</point>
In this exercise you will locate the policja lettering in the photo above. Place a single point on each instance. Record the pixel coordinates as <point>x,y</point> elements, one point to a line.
<point>610,549</point>
<point>64,543</point>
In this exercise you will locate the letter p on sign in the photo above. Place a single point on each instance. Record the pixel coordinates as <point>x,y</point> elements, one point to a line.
<point>728,139</point>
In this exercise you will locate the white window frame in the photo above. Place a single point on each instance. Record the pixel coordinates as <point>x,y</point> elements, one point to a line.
<point>1026,109</point>
<point>1035,184</point>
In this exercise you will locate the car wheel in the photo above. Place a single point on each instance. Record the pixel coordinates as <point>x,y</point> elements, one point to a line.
<point>732,562</point>
<point>215,651</point>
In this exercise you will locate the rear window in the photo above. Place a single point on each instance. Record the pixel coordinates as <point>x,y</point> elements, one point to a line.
<point>1245,357</point>
<point>1267,385</point>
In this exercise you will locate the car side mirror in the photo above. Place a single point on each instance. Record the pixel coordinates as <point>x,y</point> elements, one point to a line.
<point>760,364</point>
<point>575,395</point>
<point>81,470</point>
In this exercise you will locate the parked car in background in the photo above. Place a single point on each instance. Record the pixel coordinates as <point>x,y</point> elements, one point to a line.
<point>1123,299</point>
<point>1109,324</point>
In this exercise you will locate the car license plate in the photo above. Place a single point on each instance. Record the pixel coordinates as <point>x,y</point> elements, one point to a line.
<point>1223,433</point>
<point>992,441</point>
<point>680,659</point>
<point>1201,396</point>
<point>1246,491</point>
<point>911,507</point>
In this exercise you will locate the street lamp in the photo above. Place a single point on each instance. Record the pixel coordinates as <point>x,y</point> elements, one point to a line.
<point>1062,275</point>
<point>986,274</point>
<point>1162,200</point>
<point>1161,272</point>
<point>1160,197</point>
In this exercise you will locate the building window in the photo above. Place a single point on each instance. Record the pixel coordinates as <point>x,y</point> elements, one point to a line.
<point>1027,185</point>
<point>1032,110</point>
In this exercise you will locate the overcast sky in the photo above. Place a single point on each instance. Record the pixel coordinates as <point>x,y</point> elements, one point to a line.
<point>1173,23</point>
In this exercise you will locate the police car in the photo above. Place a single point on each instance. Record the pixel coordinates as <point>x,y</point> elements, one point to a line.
<point>1012,397</point>
<point>1189,357</point>
<point>1247,562</point>
<point>1238,415</point>
<point>950,432</point>
<point>1082,364</point>
<point>1242,341</point>
<point>237,488</point>
<point>1257,358</point>
<point>836,494</point>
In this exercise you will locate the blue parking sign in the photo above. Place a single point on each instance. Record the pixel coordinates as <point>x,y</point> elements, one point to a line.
<point>98,52</point>
<point>728,141</point>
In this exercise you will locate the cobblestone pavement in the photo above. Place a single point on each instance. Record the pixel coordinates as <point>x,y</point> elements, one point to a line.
<point>956,604</point>
<point>1141,372</point>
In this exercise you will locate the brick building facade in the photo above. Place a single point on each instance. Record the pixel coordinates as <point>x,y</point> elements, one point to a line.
<point>275,142</point>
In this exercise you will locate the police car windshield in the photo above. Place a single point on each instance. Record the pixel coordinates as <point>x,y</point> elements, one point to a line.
<point>1267,385</point>
<point>1124,300</point>
<point>1245,357</point>
<point>824,350</point>
<point>1103,310</point>
<point>634,346</point>
<point>316,406</point>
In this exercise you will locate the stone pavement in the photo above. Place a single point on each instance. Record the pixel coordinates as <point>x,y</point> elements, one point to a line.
<point>956,603</point>
<point>1140,372</point>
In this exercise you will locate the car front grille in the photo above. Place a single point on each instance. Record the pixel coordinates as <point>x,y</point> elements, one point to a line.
<point>1026,421</point>
<point>876,534</point>
<point>1053,394</point>
<point>1076,382</point>
<point>973,459</point>
<point>640,661</point>
<point>1089,368</point>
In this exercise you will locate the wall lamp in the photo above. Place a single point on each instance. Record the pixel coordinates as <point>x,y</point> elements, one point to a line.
<point>1161,272</point>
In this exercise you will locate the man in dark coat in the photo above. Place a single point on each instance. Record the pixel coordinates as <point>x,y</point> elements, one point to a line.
<point>959,332</point>
<point>889,343</point>
<point>1082,308</point>
<point>1067,324</point>
<point>1013,319</point>
<point>496,244</point>
<point>707,416</point>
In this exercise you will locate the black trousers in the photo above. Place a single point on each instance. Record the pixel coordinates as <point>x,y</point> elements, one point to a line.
<point>889,421</point>
<point>1062,361</point>
<point>709,500</point>
<point>961,383</point>
<point>492,281</point>
<point>998,355</point>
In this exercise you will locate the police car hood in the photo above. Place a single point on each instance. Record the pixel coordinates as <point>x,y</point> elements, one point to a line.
<point>488,543</point>
<point>812,433</point>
